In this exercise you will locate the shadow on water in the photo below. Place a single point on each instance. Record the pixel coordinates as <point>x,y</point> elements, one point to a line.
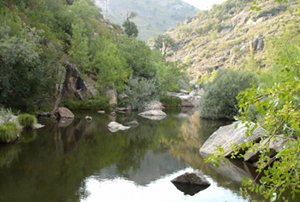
<point>54,163</point>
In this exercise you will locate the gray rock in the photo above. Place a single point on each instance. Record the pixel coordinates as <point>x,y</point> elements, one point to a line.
<point>115,127</point>
<point>191,183</point>
<point>88,118</point>
<point>228,135</point>
<point>258,43</point>
<point>275,144</point>
<point>63,113</point>
<point>113,97</point>
<point>101,112</point>
<point>153,115</point>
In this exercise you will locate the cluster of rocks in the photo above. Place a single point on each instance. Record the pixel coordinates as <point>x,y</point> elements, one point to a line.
<point>236,134</point>
<point>188,99</point>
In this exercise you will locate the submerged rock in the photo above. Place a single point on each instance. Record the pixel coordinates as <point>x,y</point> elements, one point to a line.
<point>153,114</point>
<point>115,127</point>
<point>191,183</point>
<point>228,135</point>
<point>88,118</point>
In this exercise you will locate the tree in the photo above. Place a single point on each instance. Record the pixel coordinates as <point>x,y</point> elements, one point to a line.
<point>163,43</point>
<point>130,27</point>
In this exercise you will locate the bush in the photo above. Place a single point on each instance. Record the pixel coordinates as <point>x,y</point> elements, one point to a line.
<point>27,120</point>
<point>141,91</point>
<point>93,104</point>
<point>8,132</point>
<point>170,102</point>
<point>219,100</point>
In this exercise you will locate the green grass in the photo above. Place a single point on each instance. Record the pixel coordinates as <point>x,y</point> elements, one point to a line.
<point>9,132</point>
<point>93,104</point>
<point>27,120</point>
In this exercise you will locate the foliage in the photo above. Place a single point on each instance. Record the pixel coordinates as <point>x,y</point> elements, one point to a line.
<point>219,100</point>
<point>9,131</point>
<point>170,102</point>
<point>140,91</point>
<point>92,104</point>
<point>163,43</point>
<point>27,120</point>
<point>130,28</point>
<point>138,57</point>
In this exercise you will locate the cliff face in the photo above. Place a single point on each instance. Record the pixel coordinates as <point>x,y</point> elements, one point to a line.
<point>229,34</point>
<point>153,17</point>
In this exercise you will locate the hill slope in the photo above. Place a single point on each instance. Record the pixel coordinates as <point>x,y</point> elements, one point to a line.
<point>153,17</point>
<point>230,35</point>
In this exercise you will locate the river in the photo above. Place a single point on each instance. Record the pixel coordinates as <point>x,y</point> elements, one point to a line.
<point>81,161</point>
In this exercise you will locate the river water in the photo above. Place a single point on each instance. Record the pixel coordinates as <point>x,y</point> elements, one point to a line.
<point>83,161</point>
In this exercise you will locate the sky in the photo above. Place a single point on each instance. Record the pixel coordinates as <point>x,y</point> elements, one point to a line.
<point>203,4</point>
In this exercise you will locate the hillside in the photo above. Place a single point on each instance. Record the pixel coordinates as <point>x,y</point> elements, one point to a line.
<point>153,17</point>
<point>230,35</point>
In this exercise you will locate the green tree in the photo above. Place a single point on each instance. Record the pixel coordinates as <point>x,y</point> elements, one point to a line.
<point>130,28</point>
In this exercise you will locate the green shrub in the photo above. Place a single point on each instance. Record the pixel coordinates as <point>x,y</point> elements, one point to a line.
<point>141,91</point>
<point>8,132</point>
<point>27,120</point>
<point>170,102</point>
<point>93,104</point>
<point>219,100</point>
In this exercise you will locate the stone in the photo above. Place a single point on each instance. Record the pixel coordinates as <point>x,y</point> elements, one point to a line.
<point>115,127</point>
<point>101,112</point>
<point>63,113</point>
<point>113,97</point>
<point>275,144</point>
<point>88,118</point>
<point>226,136</point>
<point>153,115</point>
<point>258,44</point>
<point>38,126</point>
<point>191,183</point>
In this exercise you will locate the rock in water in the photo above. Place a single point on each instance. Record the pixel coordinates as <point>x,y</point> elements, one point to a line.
<point>191,183</point>
<point>228,135</point>
<point>154,105</point>
<point>115,127</point>
<point>88,118</point>
<point>64,113</point>
<point>153,114</point>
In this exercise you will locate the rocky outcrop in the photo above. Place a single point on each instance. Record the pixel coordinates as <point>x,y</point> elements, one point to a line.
<point>115,127</point>
<point>191,183</point>
<point>153,115</point>
<point>226,136</point>
<point>63,113</point>
<point>191,99</point>
<point>258,44</point>
<point>73,86</point>
<point>225,35</point>
<point>113,97</point>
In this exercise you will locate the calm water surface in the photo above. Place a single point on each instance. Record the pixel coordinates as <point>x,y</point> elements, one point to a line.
<point>83,161</point>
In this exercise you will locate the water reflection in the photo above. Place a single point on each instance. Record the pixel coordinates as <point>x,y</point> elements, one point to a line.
<point>83,161</point>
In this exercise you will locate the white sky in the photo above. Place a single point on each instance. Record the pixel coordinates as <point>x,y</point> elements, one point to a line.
<point>203,4</point>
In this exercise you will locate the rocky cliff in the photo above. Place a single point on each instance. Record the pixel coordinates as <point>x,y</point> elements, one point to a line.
<point>230,34</point>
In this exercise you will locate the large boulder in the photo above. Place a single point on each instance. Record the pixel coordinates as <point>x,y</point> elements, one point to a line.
<point>226,136</point>
<point>113,97</point>
<point>274,145</point>
<point>63,113</point>
<point>153,114</point>
<point>115,127</point>
<point>191,183</point>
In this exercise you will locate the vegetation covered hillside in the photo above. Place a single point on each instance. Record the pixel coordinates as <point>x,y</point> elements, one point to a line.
<point>153,17</point>
<point>231,35</point>
<point>41,41</point>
